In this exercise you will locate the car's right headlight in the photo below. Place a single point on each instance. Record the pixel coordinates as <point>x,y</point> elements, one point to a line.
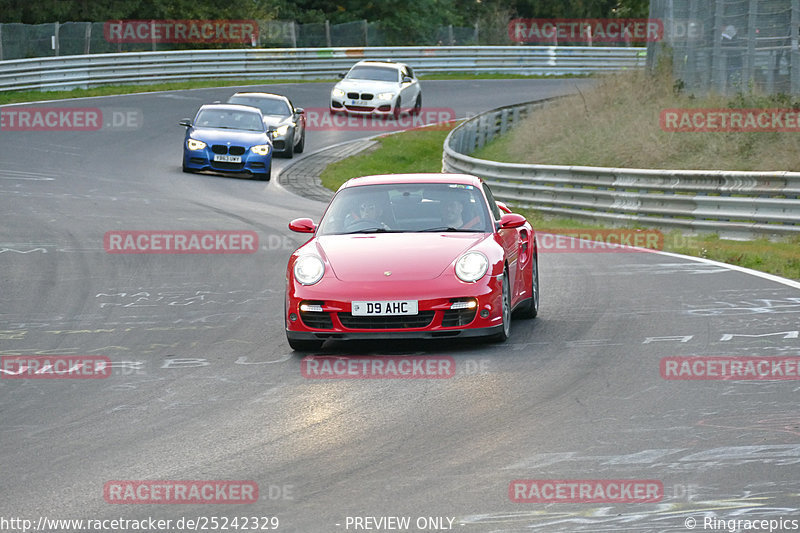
<point>308,269</point>
<point>385,96</point>
<point>194,144</point>
<point>471,266</point>
<point>337,93</point>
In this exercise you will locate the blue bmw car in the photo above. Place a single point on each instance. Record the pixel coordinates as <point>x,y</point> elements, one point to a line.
<point>228,138</point>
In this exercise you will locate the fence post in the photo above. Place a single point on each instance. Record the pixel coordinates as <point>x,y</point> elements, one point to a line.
<point>366,33</point>
<point>795,51</point>
<point>153,34</point>
<point>328,32</point>
<point>294,34</point>
<point>749,62</point>
<point>54,42</point>
<point>1,42</point>
<point>718,68</point>
<point>88,38</point>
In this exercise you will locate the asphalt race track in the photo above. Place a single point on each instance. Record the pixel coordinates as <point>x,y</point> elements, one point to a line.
<point>204,386</point>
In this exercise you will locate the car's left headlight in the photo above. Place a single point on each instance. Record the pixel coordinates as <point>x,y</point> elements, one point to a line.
<point>308,269</point>
<point>471,266</point>
<point>385,96</point>
<point>337,93</point>
<point>283,130</point>
<point>261,149</point>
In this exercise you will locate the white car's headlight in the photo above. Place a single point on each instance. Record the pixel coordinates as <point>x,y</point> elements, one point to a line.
<point>471,266</point>
<point>308,269</point>
<point>261,149</point>
<point>385,96</point>
<point>193,144</point>
<point>283,130</point>
<point>337,93</point>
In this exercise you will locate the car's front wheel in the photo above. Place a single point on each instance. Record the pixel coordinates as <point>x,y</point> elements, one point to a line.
<point>289,153</point>
<point>302,144</point>
<point>266,175</point>
<point>397,108</point>
<point>417,105</point>
<point>505,331</point>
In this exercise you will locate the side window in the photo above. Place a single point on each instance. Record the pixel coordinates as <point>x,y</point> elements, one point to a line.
<point>408,72</point>
<point>492,203</point>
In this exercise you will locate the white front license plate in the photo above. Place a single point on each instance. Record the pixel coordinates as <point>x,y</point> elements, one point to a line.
<point>385,308</point>
<point>228,158</point>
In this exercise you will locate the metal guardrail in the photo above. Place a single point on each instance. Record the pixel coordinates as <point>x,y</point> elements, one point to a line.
<point>735,204</point>
<point>84,71</point>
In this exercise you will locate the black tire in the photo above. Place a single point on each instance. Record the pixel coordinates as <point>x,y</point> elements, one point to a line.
<point>531,307</point>
<point>304,345</point>
<point>265,176</point>
<point>505,331</point>
<point>417,105</point>
<point>397,108</point>
<point>289,153</point>
<point>302,144</point>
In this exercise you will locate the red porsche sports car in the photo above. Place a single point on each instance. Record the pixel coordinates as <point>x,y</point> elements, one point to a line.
<point>411,256</point>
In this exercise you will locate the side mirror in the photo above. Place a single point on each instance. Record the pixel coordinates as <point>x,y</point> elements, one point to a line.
<point>342,75</point>
<point>406,79</point>
<point>186,122</point>
<point>299,110</point>
<point>303,225</point>
<point>512,220</point>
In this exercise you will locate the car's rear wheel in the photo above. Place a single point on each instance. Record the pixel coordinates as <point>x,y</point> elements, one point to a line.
<point>531,306</point>
<point>505,331</point>
<point>304,345</point>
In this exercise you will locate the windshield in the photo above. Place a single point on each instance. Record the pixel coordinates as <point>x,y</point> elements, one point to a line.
<point>229,119</point>
<point>373,73</point>
<point>268,106</point>
<point>406,208</point>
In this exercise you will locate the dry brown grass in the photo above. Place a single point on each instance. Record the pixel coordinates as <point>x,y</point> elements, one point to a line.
<point>617,124</point>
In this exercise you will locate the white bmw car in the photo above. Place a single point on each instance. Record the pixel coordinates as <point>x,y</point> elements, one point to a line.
<point>377,88</point>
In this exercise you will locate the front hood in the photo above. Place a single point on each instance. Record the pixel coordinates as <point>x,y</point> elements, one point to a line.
<point>239,137</point>
<point>368,86</point>
<point>276,120</point>
<point>408,256</point>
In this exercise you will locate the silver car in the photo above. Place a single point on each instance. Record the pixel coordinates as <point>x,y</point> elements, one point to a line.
<point>286,122</point>
<point>377,88</point>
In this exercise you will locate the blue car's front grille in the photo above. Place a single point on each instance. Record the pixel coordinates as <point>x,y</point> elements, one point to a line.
<point>233,150</point>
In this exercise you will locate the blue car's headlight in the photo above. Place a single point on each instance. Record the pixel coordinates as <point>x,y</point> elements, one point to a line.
<point>194,144</point>
<point>261,149</point>
<point>308,269</point>
<point>471,266</point>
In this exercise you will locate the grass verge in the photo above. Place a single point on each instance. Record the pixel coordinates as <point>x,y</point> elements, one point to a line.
<point>421,151</point>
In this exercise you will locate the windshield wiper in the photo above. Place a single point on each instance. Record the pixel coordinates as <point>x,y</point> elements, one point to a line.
<point>373,230</point>
<point>447,229</point>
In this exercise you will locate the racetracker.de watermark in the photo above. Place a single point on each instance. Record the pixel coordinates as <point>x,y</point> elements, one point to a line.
<point>321,119</point>
<point>180,242</point>
<point>181,31</point>
<point>180,492</point>
<point>585,30</point>
<point>54,366</point>
<point>586,491</point>
<point>710,120</point>
<point>367,367</point>
<point>598,240</point>
<point>715,368</point>
<point>15,118</point>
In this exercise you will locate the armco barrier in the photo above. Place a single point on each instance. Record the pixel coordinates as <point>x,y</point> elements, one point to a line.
<point>735,204</point>
<point>83,71</point>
